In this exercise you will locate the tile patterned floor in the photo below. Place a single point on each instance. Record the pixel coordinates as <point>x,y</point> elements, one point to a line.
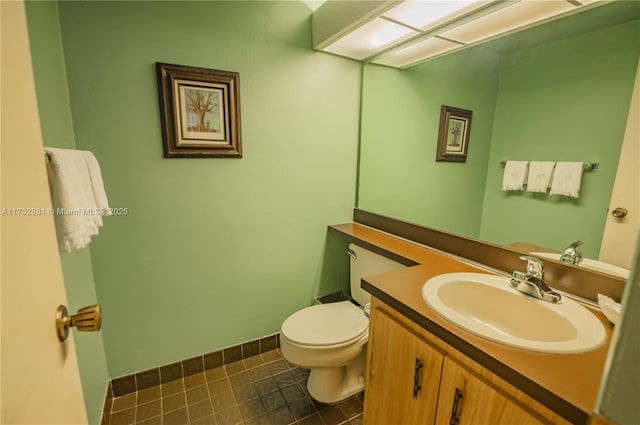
<point>264,390</point>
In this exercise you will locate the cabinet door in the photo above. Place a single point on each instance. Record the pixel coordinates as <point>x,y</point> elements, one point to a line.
<point>466,399</point>
<point>403,375</point>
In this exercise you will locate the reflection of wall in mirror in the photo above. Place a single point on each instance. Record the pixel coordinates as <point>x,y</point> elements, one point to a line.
<point>563,101</point>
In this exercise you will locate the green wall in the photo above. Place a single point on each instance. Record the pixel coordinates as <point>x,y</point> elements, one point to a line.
<point>213,252</point>
<point>398,174</point>
<point>57,131</point>
<point>562,101</point>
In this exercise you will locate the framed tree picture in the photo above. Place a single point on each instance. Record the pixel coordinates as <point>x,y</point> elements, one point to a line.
<point>453,137</point>
<point>200,111</point>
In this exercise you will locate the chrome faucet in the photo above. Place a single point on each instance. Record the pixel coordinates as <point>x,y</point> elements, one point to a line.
<point>572,254</point>
<point>531,281</point>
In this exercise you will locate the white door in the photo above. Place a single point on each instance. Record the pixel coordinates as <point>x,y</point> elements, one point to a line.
<point>621,234</point>
<point>39,375</point>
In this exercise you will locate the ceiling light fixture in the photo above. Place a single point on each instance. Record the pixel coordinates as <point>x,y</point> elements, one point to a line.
<point>403,33</point>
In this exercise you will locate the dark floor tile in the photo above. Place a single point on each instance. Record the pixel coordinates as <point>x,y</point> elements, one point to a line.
<point>235,368</point>
<point>194,380</point>
<point>271,356</point>
<point>198,394</point>
<point>148,410</point>
<point>242,378</point>
<point>174,402</point>
<point>273,401</point>
<point>207,420</point>
<point>300,374</point>
<point>265,386</point>
<point>259,373</point>
<point>260,420</point>
<point>267,394</point>
<point>314,419</point>
<point>215,374</point>
<point>177,417</point>
<point>124,417</point>
<point>277,367</point>
<point>292,393</point>
<point>223,402</point>
<point>251,409</point>
<point>172,387</point>
<point>351,407</point>
<point>302,408</point>
<point>200,410</point>
<point>148,395</point>
<point>281,416</point>
<point>123,403</point>
<point>245,392</point>
<point>356,421</point>
<point>254,361</point>
<point>332,415</point>
<point>152,421</point>
<point>284,379</point>
<point>219,387</point>
<point>229,417</point>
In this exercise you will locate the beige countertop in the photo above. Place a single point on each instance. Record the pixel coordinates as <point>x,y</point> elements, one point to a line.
<point>566,383</point>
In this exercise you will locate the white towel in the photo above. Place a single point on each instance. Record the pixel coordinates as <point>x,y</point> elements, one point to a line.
<point>566,179</point>
<point>515,174</point>
<point>78,195</point>
<point>540,173</point>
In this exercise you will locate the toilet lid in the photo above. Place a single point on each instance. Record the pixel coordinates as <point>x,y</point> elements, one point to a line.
<point>326,324</point>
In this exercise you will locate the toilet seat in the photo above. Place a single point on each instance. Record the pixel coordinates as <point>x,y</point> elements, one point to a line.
<point>326,325</point>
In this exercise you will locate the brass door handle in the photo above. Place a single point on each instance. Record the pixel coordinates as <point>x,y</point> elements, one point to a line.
<point>87,319</point>
<point>619,212</point>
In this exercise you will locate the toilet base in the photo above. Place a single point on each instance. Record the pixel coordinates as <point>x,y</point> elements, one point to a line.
<point>334,384</point>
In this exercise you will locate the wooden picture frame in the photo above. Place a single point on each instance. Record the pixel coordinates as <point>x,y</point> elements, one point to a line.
<point>200,111</point>
<point>453,136</point>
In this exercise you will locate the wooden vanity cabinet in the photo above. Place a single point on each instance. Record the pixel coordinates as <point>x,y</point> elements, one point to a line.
<point>451,388</point>
<point>403,372</point>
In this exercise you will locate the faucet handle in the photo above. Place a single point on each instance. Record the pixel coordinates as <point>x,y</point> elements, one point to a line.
<point>535,267</point>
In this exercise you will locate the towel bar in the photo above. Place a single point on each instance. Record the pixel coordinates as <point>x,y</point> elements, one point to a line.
<point>585,165</point>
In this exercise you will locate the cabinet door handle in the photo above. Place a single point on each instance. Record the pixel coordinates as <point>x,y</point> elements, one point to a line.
<point>416,378</point>
<point>457,406</point>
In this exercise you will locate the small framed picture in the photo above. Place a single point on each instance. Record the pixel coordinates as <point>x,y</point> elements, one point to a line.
<point>453,137</point>
<point>200,111</point>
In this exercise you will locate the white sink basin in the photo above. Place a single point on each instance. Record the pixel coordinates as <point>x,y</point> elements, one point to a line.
<point>587,263</point>
<point>487,306</point>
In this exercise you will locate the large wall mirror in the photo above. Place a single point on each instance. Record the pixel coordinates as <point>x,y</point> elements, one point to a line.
<point>556,92</point>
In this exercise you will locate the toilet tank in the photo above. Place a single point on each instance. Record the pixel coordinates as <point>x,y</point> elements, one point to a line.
<point>367,263</point>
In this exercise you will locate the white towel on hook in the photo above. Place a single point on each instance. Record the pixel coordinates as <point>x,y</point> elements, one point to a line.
<point>540,173</point>
<point>567,178</point>
<point>78,195</point>
<point>515,174</point>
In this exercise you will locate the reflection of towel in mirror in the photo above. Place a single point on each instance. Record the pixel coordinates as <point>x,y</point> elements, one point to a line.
<point>540,173</point>
<point>78,196</point>
<point>566,179</point>
<point>515,174</point>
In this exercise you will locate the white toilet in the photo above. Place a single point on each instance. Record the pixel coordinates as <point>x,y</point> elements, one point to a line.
<point>330,339</point>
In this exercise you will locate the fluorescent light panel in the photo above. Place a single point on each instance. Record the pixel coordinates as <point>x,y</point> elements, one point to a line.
<point>425,14</point>
<point>523,13</point>
<point>424,49</point>
<point>370,38</point>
